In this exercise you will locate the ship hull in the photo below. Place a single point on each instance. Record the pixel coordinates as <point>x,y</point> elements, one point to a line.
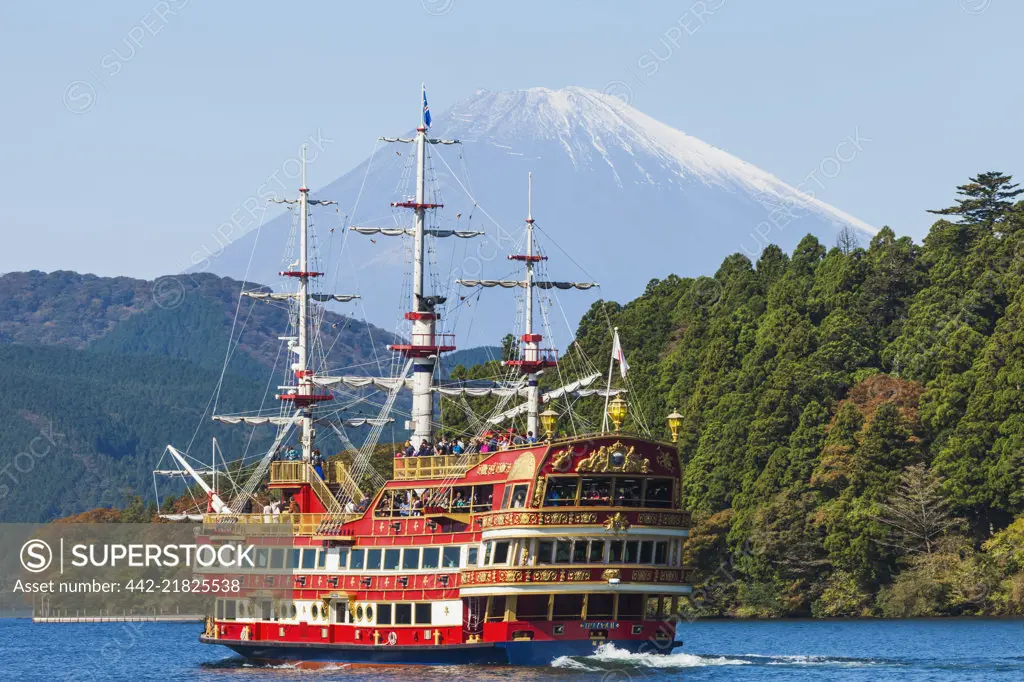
<point>484,653</point>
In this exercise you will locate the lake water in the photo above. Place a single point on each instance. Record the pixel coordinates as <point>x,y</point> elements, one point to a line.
<point>713,650</point>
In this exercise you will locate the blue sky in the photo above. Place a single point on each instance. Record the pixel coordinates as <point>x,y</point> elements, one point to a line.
<point>132,129</point>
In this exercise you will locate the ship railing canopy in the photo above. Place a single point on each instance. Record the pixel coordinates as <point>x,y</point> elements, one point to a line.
<point>436,466</point>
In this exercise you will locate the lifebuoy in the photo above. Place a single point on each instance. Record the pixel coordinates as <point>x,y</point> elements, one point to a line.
<point>392,638</point>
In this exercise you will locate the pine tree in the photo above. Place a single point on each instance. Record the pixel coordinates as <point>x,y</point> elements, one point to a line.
<point>987,197</point>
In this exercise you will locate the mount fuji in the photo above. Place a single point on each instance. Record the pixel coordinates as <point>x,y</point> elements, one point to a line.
<point>618,197</point>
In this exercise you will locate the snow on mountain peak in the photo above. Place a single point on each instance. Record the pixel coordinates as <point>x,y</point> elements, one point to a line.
<point>598,130</point>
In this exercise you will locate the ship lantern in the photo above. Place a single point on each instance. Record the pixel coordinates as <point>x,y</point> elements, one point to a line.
<point>675,420</point>
<point>548,421</point>
<point>617,411</point>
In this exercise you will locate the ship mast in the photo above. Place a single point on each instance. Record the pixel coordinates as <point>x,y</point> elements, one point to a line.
<point>424,319</point>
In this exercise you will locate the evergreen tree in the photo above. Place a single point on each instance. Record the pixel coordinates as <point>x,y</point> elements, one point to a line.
<point>986,198</point>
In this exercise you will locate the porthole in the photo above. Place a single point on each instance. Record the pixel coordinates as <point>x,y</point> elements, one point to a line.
<point>295,610</point>
<point>359,613</point>
<point>315,612</point>
<point>369,613</point>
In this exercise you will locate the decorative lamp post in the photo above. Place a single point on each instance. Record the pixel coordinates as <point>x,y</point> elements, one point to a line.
<point>675,421</point>
<point>617,411</point>
<point>548,421</point>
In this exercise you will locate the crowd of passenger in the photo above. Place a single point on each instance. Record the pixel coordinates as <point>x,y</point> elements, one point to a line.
<point>492,441</point>
<point>417,503</point>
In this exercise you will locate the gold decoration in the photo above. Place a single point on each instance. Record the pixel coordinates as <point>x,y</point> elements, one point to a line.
<point>675,422</point>
<point>617,411</point>
<point>617,523</point>
<point>665,460</point>
<point>611,574</point>
<point>562,461</point>
<point>538,492</point>
<point>601,461</point>
<point>523,468</point>
<point>211,628</point>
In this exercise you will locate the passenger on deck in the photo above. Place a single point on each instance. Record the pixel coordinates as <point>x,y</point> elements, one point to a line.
<point>350,507</point>
<point>530,438</point>
<point>410,451</point>
<point>318,464</point>
<point>459,503</point>
<point>416,509</point>
<point>363,506</point>
<point>293,506</point>
<point>458,448</point>
<point>425,450</point>
<point>403,508</point>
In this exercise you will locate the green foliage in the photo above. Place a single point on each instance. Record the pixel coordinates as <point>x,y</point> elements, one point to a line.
<point>810,383</point>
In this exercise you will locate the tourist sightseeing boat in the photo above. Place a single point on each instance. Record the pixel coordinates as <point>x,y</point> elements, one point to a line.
<point>519,552</point>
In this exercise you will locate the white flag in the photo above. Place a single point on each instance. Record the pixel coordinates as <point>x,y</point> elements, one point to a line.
<point>619,355</point>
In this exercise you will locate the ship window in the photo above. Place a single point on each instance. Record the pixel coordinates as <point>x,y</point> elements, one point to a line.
<point>343,558</point>
<point>321,559</point>
<point>403,614</point>
<point>488,551</point>
<point>563,551</point>
<point>293,558</point>
<point>651,612</point>
<point>373,559</point>
<point>471,557</point>
<point>411,559</point>
<point>615,552</point>
<point>579,552</point>
<point>600,606</point>
<point>369,613</point>
<point>501,552</point>
<point>230,609</point>
<point>430,557</point>
<point>504,498</point>
<point>544,550</point>
<point>383,614</point>
<point>596,551</point>
<point>220,609</point>
<point>423,614</point>
<point>391,559</point>
<point>519,496</point>
<point>359,612</point>
<point>266,609</point>
<point>631,552</point>
<point>341,612</point>
<point>277,558</point>
<point>561,491</point>
<point>631,606</point>
<point>661,552</point>
<point>646,550</point>
<point>450,557</point>
<point>627,492</point>
<point>308,558</point>
<point>595,492</point>
<point>262,557</point>
<point>659,493</point>
<point>314,612</point>
<point>358,559</point>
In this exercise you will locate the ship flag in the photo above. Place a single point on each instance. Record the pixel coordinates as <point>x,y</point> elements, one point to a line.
<point>619,355</point>
<point>426,110</point>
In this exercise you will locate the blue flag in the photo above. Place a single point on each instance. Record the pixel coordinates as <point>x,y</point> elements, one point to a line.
<point>426,110</point>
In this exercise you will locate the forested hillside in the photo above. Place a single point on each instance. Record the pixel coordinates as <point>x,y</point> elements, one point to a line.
<point>853,417</point>
<point>97,375</point>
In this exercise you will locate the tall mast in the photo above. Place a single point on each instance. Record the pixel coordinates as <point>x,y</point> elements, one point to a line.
<point>301,365</point>
<point>424,319</point>
<point>530,342</point>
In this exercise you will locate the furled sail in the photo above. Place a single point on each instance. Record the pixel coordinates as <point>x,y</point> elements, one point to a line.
<point>578,387</point>
<point>273,296</point>
<point>512,283</point>
<point>399,231</point>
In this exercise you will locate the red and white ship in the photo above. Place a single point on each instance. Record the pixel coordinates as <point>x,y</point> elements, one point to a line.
<point>549,545</point>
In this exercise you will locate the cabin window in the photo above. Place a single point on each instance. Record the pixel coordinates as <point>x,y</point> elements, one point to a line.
<point>262,558</point>
<point>431,556</point>
<point>321,559</point>
<point>579,552</point>
<point>517,500</point>
<point>596,551</point>
<point>341,612</point>
<point>391,557</point>
<point>220,609</point>
<point>369,613</point>
<point>659,493</point>
<point>568,606</point>
<point>615,552</point>
<point>631,606</point>
<point>423,614</point>
<point>343,557</point>
<point>230,609</point>
<point>358,559</point>
<point>373,559</point>
<point>563,551</point>
<point>627,492</point>
<point>651,612</point>
<point>488,552</point>
<point>629,557</point>
<point>561,491</point>
<point>501,552</point>
<point>403,614</point>
<point>471,556</point>
<point>595,492</point>
<point>308,559</point>
<point>277,558</point>
<point>411,559</point>
<point>293,558</point>
<point>506,496</point>
<point>450,557</point>
<point>545,548</point>
<point>646,552</point>
<point>600,606</point>
<point>661,552</point>
<point>359,612</point>
<point>383,614</point>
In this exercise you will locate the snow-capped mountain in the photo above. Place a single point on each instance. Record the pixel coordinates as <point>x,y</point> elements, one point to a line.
<point>618,198</point>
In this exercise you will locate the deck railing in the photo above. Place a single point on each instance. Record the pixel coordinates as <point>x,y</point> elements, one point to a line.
<point>436,466</point>
<point>322,525</point>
